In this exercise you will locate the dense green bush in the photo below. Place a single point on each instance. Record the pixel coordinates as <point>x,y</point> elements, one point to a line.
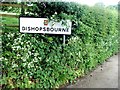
<point>40,61</point>
<point>10,8</point>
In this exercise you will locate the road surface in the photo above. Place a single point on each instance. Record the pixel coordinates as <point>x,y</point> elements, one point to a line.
<point>105,76</point>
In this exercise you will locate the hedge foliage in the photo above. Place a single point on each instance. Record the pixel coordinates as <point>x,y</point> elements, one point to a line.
<point>40,61</point>
<point>10,8</point>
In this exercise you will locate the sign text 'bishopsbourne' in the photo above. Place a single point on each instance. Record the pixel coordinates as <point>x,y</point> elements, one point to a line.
<point>47,29</point>
<point>42,25</point>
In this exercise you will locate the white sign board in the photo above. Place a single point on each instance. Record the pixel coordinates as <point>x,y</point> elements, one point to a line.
<point>43,25</point>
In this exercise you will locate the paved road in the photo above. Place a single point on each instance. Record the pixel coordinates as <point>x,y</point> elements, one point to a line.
<point>105,76</point>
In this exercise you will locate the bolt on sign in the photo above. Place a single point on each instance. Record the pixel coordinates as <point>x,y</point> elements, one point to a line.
<point>43,25</point>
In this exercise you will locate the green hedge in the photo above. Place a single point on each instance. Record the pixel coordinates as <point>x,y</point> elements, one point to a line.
<point>40,61</point>
<point>10,8</point>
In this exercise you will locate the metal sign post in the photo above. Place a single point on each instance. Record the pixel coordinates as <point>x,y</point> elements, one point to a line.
<point>63,40</point>
<point>63,43</point>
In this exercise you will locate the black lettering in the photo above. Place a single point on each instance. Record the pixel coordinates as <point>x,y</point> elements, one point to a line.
<point>32,28</point>
<point>47,28</point>
<point>52,29</point>
<point>40,28</point>
<point>23,28</point>
<point>67,30</point>
<point>60,29</point>
<point>63,30</point>
<point>44,29</point>
<point>28,28</point>
<point>36,28</point>
<point>56,29</point>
